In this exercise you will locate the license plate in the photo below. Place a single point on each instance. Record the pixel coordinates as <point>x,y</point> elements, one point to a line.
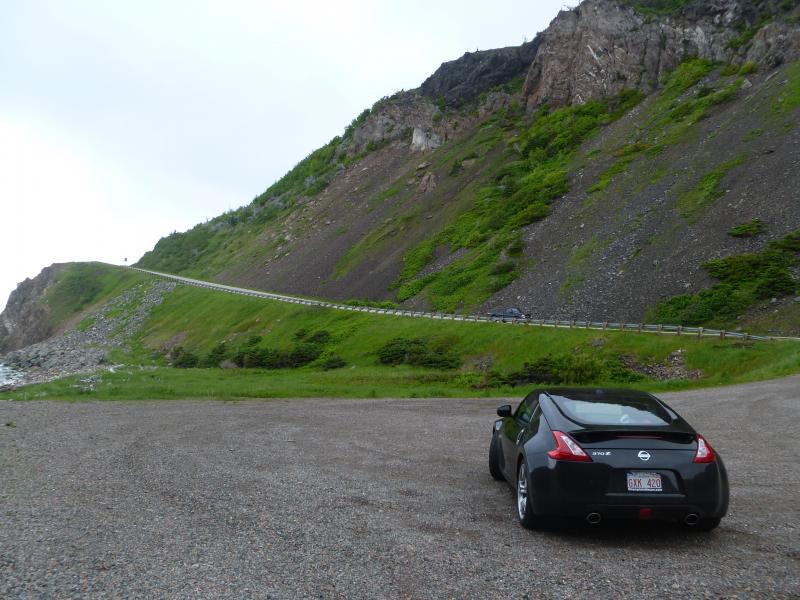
<point>644,482</point>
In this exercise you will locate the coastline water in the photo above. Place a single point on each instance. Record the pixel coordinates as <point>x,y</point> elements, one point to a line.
<point>8,376</point>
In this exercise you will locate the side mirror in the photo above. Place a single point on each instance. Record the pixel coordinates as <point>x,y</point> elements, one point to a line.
<point>504,411</point>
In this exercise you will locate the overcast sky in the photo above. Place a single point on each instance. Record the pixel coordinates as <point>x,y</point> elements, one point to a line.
<point>121,122</point>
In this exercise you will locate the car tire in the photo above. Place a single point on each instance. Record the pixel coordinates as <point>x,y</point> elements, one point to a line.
<point>707,524</point>
<point>494,459</point>
<point>525,513</point>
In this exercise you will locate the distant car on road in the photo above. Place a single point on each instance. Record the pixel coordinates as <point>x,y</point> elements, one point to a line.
<point>507,314</point>
<point>606,454</point>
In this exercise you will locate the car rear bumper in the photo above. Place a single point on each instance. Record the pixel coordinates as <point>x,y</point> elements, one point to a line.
<point>643,510</point>
<point>575,490</point>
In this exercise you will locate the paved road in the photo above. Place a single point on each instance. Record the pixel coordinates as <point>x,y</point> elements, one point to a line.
<point>360,499</point>
<point>531,321</point>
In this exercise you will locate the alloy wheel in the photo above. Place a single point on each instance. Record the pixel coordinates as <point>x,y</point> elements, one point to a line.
<point>522,491</point>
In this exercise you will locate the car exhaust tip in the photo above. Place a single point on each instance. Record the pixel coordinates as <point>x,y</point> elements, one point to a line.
<point>593,518</point>
<point>691,519</point>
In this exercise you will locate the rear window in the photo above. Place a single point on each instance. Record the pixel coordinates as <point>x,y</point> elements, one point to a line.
<point>635,411</point>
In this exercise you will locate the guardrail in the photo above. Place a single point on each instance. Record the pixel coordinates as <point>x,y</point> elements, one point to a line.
<point>555,323</point>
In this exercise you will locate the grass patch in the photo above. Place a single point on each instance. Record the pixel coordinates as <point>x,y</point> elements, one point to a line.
<point>658,8</point>
<point>748,229</point>
<point>81,285</point>
<point>625,156</point>
<point>386,194</point>
<point>386,304</point>
<point>208,319</point>
<point>577,264</point>
<point>748,68</point>
<point>693,203</point>
<point>789,99</point>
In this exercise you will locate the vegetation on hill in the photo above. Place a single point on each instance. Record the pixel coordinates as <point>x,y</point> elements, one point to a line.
<point>539,159</point>
<point>743,280</point>
<point>82,285</point>
<point>536,173</point>
<point>658,8</point>
<point>288,350</point>
<point>463,242</point>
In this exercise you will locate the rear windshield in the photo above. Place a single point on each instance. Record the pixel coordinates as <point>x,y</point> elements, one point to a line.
<point>614,411</point>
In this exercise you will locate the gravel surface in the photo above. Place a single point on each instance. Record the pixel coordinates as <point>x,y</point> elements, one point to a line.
<point>361,499</point>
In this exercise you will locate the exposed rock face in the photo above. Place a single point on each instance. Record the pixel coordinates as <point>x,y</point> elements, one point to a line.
<point>406,117</point>
<point>465,78</point>
<point>423,139</point>
<point>775,44</point>
<point>393,119</point>
<point>84,351</point>
<point>427,183</point>
<point>602,47</point>
<point>25,319</point>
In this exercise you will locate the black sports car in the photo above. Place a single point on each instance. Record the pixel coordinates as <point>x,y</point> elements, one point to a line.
<point>606,454</point>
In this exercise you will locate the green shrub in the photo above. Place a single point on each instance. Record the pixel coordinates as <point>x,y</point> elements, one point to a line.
<point>321,337</point>
<point>516,248</point>
<point>304,353</point>
<point>253,340</point>
<point>333,362</point>
<point>748,229</point>
<point>503,267</point>
<point>182,359</point>
<point>400,350</point>
<point>418,352</point>
<point>564,369</point>
<point>744,279</point>
<point>218,354</point>
<point>748,68</point>
<point>658,8</point>
<point>387,304</point>
<point>577,369</point>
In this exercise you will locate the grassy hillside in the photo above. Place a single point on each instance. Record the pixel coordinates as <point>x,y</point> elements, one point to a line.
<point>363,355</point>
<point>81,286</point>
<point>560,211</point>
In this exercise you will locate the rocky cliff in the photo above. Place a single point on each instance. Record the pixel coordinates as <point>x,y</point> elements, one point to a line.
<point>604,46</point>
<point>464,79</point>
<point>25,319</point>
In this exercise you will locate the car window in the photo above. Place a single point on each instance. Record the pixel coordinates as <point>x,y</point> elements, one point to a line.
<point>614,411</point>
<point>527,407</point>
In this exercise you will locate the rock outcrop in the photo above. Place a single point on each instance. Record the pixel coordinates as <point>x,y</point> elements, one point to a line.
<point>25,319</point>
<point>85,350</point>
<point>393,119</point>
<point>464,79</point>
<point>603,46</point>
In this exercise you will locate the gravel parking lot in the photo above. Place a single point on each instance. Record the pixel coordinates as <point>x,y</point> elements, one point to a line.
<point>361,499</point>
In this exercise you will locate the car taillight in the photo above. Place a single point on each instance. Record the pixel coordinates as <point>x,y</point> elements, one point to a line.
<point>567,449</point>
<point>704,453</point>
